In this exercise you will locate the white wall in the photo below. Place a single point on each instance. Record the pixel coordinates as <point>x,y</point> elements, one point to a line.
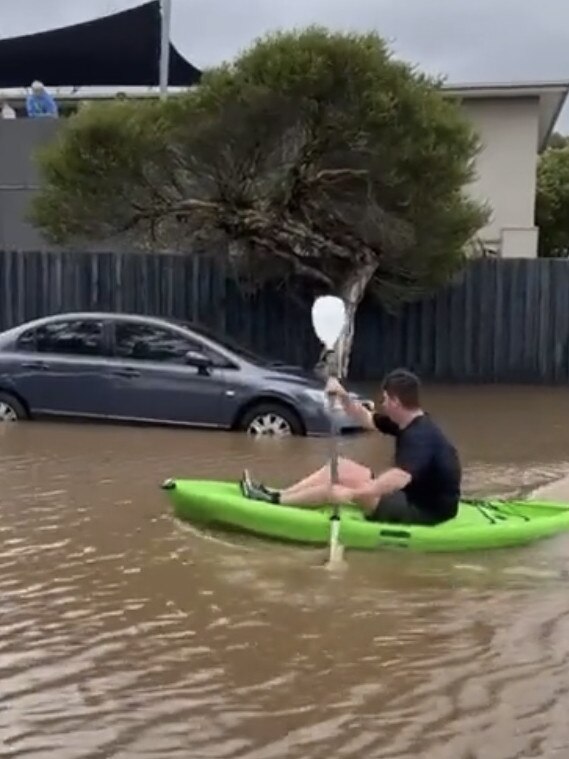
<point>506,168</point>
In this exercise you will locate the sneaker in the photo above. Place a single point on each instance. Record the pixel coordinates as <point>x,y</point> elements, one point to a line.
<point>248,482</point>
<point>269,491</point>
<point>254,492</point>
<point>244,483</point>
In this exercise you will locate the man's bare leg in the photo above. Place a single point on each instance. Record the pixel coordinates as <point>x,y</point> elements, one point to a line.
<point>311,495</point>
<point>308,496</point>
<point>350,475</point>
<point>317,495</point>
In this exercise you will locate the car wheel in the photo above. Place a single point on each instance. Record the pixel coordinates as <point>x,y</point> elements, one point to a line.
<point>272,419</point>
<point>11,410</point>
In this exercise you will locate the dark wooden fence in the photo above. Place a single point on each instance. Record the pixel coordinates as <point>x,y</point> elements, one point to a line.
<point>504,321</point>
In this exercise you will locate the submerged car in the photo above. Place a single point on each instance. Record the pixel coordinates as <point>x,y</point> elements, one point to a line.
<point>131,368</point>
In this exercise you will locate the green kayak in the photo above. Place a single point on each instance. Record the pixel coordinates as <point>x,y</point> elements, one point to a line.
<point>480,524</point>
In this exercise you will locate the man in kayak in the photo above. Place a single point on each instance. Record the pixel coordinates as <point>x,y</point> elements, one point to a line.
<point>422,486</point>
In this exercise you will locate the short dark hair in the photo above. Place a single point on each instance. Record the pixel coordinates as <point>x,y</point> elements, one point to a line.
<point>403,385</point>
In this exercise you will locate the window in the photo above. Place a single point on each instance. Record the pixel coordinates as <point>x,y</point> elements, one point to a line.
<point>77,338</point>
<point>225,341</point>
<point>147,342</point>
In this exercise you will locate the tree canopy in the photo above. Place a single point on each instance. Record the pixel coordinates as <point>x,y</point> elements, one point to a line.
<point>558,140</point>
<point>552,202</point>
<point>313,154</point>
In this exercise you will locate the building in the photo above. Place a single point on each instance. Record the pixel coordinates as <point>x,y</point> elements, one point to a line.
<point>514,122</point>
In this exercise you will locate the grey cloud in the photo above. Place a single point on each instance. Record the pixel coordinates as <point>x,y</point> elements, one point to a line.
<point>465,41</point>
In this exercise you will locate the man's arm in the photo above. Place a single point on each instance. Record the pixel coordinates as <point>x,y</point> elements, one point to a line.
<point>388,482</point>
<point>355,409</point>
<point>358,412</point>
<point>50,106</point>
<point>53,109</point>
<point>369,420</point>
<point>412,458</point>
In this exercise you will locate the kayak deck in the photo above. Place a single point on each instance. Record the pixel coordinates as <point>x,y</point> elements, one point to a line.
<point>479,524</point>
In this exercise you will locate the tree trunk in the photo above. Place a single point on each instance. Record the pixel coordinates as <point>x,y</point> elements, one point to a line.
<point>352,293</point>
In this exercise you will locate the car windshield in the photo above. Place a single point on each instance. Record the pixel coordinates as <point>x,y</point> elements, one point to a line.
<point>226,342</point>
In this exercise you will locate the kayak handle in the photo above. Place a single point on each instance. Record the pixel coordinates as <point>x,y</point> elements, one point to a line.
<point>401,534</point>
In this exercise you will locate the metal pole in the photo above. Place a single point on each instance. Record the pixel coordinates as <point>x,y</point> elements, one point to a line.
<point>166,7</point>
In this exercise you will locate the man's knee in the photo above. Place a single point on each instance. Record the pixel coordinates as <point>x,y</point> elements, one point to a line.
<point>352,473</point>
<point>349,464</point>
<point>367,503</point>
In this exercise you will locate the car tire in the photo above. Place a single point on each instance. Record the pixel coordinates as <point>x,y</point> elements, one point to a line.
<point>11,409</point>
<point>273,419</point>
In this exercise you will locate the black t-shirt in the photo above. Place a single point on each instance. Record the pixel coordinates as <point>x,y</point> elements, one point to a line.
<point>423,450</point>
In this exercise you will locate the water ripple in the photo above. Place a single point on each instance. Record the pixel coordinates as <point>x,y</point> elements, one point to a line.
<point>123,635</point>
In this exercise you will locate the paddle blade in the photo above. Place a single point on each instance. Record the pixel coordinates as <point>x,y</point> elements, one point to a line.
<point>336,549</point>
<point>328,319</point>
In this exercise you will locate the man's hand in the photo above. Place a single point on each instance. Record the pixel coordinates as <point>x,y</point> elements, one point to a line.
<point>355,409</point>
<point>334,387</point>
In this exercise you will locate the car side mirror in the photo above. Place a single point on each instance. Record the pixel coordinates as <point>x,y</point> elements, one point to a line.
<point>198,359</point>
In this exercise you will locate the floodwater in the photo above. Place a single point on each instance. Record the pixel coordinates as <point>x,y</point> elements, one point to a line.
<point>124,634</point>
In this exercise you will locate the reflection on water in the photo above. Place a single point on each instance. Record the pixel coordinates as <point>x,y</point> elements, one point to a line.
<point>124,633</point>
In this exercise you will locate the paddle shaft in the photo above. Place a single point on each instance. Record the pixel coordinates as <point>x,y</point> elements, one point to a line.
<point>329,321</point>
<point>333,443</point>
<point>335,550</point>
<point>333,370</point>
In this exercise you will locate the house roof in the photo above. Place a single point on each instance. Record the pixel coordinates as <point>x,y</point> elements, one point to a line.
<point>552,96</point>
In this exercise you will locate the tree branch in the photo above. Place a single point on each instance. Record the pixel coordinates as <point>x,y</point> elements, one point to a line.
<point>335,174</point>
<point>298,267</point>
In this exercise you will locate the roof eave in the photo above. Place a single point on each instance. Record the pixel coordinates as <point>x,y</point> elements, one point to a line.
<point>552,97</point>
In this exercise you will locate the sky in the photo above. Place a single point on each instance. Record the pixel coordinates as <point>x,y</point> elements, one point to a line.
<point>465,41</point>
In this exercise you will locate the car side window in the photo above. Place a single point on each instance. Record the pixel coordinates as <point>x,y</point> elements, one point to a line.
<point>73,337</point>
<point>147,342</point>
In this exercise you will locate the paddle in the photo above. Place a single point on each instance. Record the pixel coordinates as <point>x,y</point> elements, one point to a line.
<point>328,321</point>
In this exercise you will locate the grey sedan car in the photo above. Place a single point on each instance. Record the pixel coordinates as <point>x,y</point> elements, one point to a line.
<point>132,368</point>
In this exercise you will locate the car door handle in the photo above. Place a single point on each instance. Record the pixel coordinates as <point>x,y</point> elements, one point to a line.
<point>35,365</point>
<point>126,373</point>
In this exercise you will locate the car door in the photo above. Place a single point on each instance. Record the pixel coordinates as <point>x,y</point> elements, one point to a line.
<point>59,368</point>
<point>152,381</point>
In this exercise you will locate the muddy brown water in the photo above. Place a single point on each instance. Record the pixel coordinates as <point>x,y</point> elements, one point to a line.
<point>124,634</point>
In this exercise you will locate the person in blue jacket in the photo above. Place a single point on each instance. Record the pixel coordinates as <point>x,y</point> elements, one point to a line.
<point>39,103</point>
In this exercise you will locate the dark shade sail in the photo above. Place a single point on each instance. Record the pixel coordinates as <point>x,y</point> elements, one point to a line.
<point>122,49</point>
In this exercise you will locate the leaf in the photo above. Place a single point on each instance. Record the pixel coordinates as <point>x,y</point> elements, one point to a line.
<point>552,202</point>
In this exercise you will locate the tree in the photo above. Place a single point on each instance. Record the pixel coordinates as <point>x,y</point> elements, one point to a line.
<point>552,203</point>
<point>558,140</point>
<point>313,155</point>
